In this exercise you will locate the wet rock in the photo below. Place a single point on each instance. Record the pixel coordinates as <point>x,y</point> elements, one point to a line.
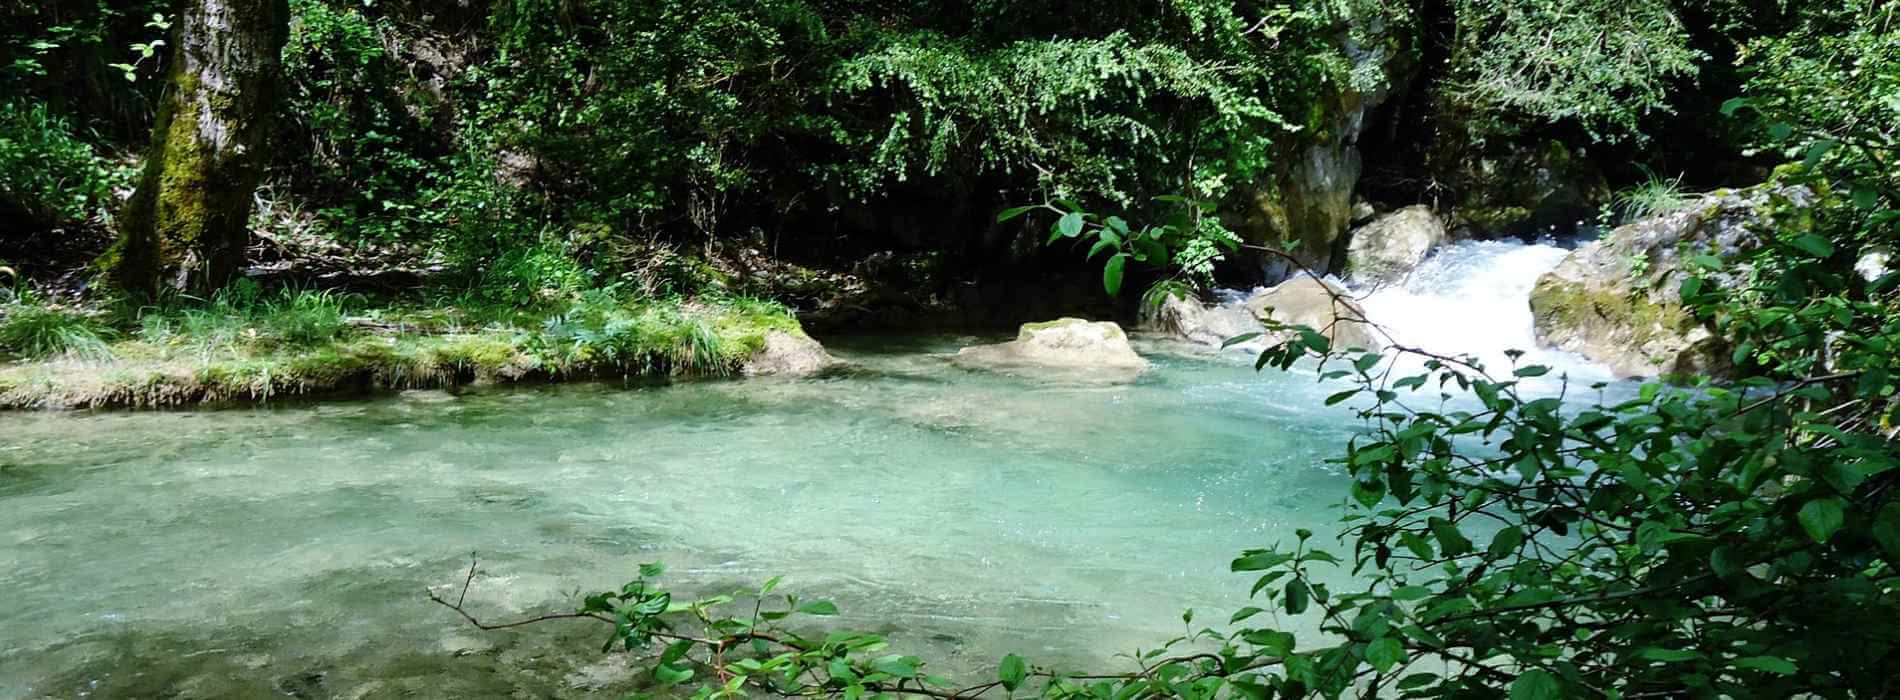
<point>1618,300</point>
<point>1386,250</point>
<point>787,355</point>
<point>1192,320</point>
<point>1065,343</point>
<point>1317,304</point>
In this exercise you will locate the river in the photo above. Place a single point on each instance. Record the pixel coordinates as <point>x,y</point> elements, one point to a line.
<point>285,550</point>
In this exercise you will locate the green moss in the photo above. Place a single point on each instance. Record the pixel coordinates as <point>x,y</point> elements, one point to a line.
<point>1558,304</point>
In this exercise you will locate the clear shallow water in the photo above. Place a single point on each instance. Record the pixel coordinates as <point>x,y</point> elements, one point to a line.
<point>285,551</point>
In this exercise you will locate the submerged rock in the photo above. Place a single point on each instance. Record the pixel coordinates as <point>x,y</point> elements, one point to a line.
<point>787,355</point>
<point>1387,249</point>
<point>1072,343</point>
<point>1618,300</point>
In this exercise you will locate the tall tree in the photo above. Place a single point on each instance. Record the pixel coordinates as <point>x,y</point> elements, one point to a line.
<point>186,226</point>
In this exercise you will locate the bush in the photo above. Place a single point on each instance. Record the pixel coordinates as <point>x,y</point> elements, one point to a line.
<point>49,173</point>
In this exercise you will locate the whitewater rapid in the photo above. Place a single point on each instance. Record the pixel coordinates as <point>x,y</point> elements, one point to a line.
<point>1473,298</point>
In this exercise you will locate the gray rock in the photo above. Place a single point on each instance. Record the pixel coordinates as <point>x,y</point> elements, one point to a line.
<point>1386,250</point>
<point>1191,320</point>
<point>1618,300</point>
<point>1320,305</point>
<point>1301,301</point>
<point>787,355</point>
<point>1071,343</point>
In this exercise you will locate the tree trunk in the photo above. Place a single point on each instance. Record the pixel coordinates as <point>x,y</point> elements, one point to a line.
<point>187,225</point>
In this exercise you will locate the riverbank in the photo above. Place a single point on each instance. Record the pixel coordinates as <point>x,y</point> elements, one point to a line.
<point>309,344</point>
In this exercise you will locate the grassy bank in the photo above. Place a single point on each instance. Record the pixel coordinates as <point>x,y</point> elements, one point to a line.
<point>252,346</point>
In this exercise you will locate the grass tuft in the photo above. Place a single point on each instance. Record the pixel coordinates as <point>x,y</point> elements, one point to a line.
<point>32,329</point>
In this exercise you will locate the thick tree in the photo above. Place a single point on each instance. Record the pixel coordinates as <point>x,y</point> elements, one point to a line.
<point>186,226</point>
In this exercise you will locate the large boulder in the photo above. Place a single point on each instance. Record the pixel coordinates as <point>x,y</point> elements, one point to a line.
<point>1071,343</point>
<point>1386,250</point>
<point>1309,301</point>
<point>787,355</point>
<point>1618,300</point>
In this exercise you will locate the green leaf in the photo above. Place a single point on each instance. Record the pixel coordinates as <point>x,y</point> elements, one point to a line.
<point>1014,212</point>
<point>1771,664</point>
<point>1070,224</point>
<point>1244,613</point>
<point>1297,597</point>
<point>1667,655</point>
<point>1734,104</point>
<point>652,570</point>
<point>1100,246</point>
<point>1506,542</point>
<point>1450,540</point>
<point>897,665</point>
<point>672,675</point>
<point>1384,653</point>
<point>1112,273</point>
<point>1242,338</point>
<point>1273,642</point>
<point>1532,371</point>
<point>1813,245</point>
<point>1011,672</point>
<point>1822,518</point>
<point>1886,530</point>
<point>1536,684</point>
<point>820,607</point>
<point>1816,151</point>
<point>1258,561</point>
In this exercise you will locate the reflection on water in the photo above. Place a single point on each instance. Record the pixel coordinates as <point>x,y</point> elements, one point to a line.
<point>285,551</point>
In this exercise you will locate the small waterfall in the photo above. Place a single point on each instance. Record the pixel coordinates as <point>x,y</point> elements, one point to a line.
<point>1473,297</point>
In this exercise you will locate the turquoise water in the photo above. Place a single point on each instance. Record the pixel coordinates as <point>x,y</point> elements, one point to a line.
<point>285,551</point>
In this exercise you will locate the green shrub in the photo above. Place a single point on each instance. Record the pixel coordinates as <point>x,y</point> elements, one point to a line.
<point>49,173</point>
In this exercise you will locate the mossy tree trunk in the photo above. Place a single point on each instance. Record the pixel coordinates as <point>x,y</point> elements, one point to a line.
<point>187,225</point>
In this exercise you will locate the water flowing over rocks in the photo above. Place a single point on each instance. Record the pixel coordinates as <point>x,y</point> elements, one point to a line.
<point>1386,250</point>
<point>1618,301</point>
<point>1070,343</point>
<point>788,355</point>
